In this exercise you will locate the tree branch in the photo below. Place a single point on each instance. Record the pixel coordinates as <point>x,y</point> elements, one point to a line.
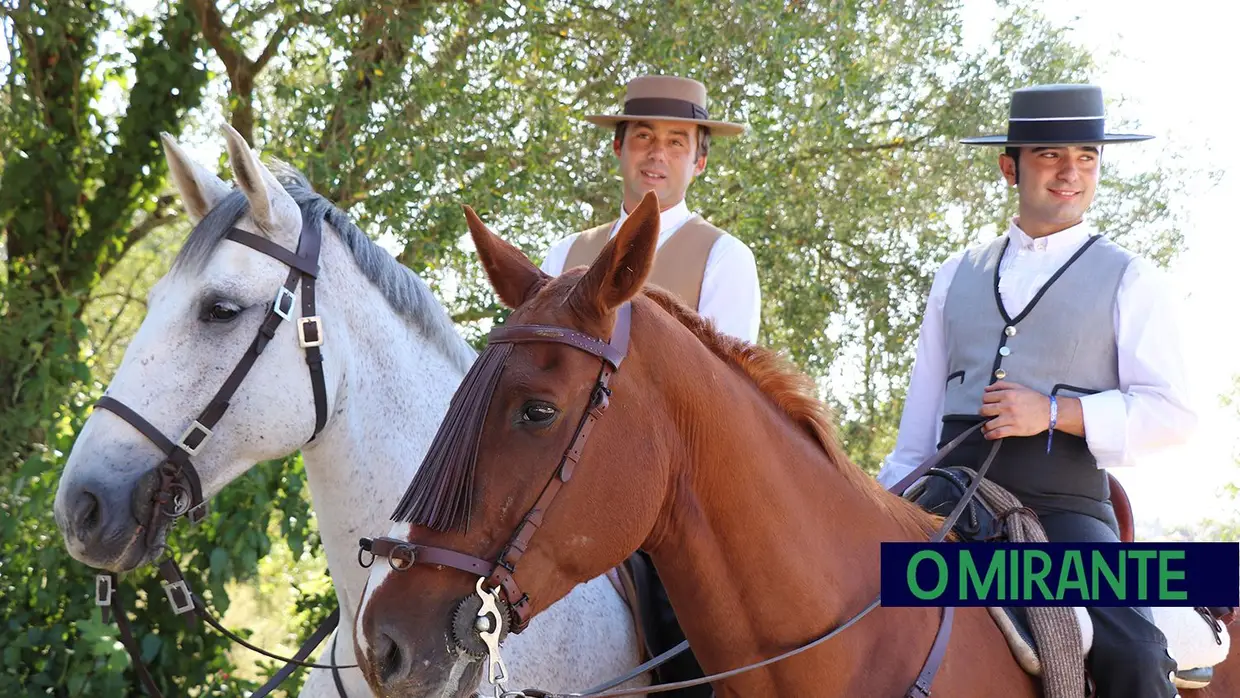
<point>161,216</point>
<point>241,70</point>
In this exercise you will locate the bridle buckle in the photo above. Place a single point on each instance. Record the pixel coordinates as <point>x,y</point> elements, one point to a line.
<point>195,429</point>
<point>316,331</point>
<point>179,596</point>
<point>279,306</point>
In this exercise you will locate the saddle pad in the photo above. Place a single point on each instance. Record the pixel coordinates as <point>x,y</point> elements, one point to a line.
<point>1013,623</point>
<point>1190,639</point>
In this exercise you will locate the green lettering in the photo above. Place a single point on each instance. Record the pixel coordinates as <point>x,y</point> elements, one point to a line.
<point>1143,557</point>
<point>1038,577</point>
<point>1072,563</point>
<point>1099,564</point>
<point>912,574</point>
<point>1165,575</point>
<point>969,575</point>
<point>1014,580</point>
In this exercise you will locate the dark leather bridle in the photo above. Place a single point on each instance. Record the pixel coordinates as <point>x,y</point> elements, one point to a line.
<point>179,489</point>
<point>402,555</point>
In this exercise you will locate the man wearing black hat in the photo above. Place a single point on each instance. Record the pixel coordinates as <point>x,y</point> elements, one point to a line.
<point>1067,346</point>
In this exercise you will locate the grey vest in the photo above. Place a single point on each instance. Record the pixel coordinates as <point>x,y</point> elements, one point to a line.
<point>1063,343</point>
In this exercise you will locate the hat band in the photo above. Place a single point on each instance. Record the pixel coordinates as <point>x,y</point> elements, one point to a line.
<point>664,106</point>
<point>1047,131</point>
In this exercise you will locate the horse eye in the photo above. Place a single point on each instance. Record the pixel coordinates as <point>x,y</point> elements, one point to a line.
<point>221,311</point>
<point>539,413</point>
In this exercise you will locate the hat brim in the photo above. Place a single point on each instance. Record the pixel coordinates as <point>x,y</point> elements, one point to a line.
<point>717,128</point>
<point>1106,138</point>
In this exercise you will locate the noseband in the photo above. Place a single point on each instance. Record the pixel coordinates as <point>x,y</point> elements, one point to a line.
<point>402,555</point>
<point>179,492</point>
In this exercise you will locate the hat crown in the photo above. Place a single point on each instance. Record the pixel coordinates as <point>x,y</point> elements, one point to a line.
<point>666,87</point>
<point>1057,102</point>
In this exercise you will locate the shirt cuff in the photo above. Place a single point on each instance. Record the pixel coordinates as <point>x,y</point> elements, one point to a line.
<point>1105,416</point>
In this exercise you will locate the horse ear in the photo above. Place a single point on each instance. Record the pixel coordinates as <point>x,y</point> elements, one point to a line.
<point>513,276</point>
<point>200,190</point>
<point>623,264</point>
<point>271,207</point>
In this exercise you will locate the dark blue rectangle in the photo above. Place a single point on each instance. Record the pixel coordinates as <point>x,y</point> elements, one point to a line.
<point>1071,574</point>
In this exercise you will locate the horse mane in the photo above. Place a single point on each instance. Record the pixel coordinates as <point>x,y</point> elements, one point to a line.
<point>794,393</point>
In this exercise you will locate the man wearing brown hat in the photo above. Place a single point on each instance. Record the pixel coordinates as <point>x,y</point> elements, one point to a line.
<point>661,142</point>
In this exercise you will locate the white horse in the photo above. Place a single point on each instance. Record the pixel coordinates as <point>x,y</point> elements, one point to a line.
<point>392,360</point>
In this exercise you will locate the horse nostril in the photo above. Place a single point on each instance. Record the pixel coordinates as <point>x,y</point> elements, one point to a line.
<point>87,512</point>
<point>389,657</point>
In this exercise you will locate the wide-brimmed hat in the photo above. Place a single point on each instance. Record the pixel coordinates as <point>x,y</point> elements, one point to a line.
<point>1056,115</point>
<point>666,98</point>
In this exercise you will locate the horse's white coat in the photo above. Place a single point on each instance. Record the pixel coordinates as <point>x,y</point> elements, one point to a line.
<point>388,387</point>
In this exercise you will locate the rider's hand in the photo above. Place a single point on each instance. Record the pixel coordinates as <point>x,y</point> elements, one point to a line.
<point>1015,411</point>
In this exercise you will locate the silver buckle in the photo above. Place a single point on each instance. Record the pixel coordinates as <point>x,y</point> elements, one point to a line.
<point>196,427</point>
<point>198,513</point>
<point>103,590</point>
<point>278,309</point>
<point>171,589</point>
<point>318,331</point>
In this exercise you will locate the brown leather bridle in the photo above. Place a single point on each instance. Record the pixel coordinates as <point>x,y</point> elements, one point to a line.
<point>402,555</point>
<point>179,489</point>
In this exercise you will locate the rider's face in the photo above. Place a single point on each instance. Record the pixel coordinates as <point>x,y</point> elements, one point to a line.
<point>1056,186</point>
<point>661,156</point>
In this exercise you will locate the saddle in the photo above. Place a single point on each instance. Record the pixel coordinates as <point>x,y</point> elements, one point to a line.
<point>1197,637</point>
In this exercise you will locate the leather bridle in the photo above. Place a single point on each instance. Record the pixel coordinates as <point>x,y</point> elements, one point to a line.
<point>403,554</point>
<point>179,489</point>
<point>498,575</point>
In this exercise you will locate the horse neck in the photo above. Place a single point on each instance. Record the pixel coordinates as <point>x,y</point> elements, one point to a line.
<point>393,392</point>
<point>763,542</point>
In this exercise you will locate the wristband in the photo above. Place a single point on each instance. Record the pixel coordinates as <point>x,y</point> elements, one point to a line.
<point>1050,434</point>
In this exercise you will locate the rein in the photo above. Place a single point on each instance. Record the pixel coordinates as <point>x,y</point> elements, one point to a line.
<point>179,489</point>
<point>496,582</point>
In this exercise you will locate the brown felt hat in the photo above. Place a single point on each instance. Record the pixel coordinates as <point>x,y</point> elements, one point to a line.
<point>666,98</point>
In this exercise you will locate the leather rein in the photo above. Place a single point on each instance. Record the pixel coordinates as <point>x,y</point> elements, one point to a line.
<point>179,489</point>
<point>497,576</point>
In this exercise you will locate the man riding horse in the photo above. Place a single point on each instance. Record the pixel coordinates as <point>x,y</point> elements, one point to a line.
<point>661,141</point>
<point>1066,345</point>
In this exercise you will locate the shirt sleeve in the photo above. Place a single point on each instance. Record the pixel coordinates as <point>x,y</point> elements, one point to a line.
<point>920,422</point>
<point>1151,410</point>
<point>730,296</point>
<point>553,263</point>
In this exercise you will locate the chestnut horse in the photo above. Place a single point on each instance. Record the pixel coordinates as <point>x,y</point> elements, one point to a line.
<point>712,455</point>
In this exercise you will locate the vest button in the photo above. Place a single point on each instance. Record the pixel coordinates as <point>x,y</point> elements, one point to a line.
<point>1005,351</point>
<point>1000,374</point>
<point>1009,331</point>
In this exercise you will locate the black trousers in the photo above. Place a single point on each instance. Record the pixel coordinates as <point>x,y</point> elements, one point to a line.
<point>1129,658</point>
<point>663,633</point>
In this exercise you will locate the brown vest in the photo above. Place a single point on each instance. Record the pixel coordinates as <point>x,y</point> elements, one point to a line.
<point>679,265</point>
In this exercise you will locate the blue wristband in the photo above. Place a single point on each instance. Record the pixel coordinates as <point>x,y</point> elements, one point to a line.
<point>1050,434</point>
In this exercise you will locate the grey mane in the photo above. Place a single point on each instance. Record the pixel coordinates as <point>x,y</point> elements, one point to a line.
<point>404,290</point>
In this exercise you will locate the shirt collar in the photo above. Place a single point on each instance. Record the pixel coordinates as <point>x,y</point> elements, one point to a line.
<point>1069,238</point>
<point>669,220</point>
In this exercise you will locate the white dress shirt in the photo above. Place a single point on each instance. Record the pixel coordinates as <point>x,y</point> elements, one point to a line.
<point>1148,412</point>
<point>730,295</point>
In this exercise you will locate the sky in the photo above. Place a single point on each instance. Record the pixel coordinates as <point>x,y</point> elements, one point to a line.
<point>1171,69</point>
